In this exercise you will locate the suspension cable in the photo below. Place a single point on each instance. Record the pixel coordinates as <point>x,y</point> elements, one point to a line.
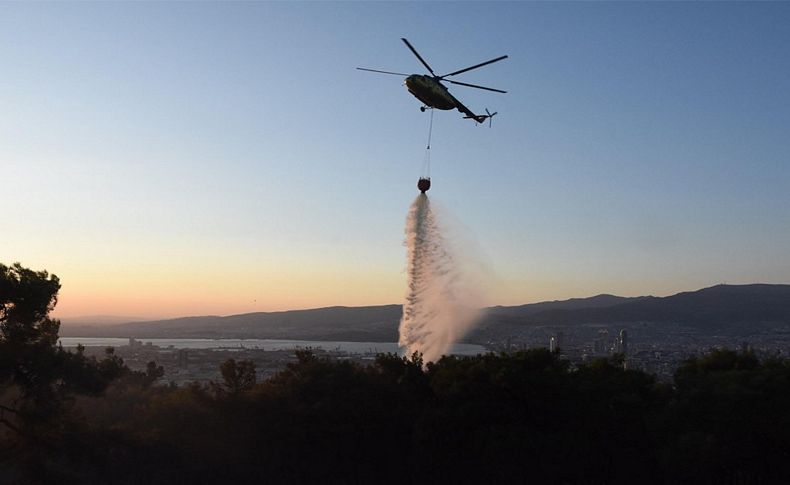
<point>430,130</point>
<point>426,166</point>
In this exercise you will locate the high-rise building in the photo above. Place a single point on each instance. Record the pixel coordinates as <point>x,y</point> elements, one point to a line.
<point>183,358</point>
<point>601,344</point>
<point>623,342</point>
<point>557,342</point>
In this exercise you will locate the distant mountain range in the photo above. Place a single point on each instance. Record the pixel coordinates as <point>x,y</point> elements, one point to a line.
<point>717,306</point>
<point>355,324</point>
<point>99,320</point>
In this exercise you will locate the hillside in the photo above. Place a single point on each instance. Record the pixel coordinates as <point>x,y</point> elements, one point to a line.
<point>373,323</point>
<point>721,305</point>
<point>717,306</point>
<point>599,301</point>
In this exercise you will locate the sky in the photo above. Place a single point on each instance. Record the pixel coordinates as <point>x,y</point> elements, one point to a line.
<point>171,159</point>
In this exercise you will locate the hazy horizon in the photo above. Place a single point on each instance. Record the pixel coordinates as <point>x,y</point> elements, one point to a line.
<point>70,319</point>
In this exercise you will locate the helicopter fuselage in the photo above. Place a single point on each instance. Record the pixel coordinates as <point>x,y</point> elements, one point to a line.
<point>434,94</point>
<point>430,91</point>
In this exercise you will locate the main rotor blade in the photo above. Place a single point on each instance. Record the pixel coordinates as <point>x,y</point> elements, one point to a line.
<point>475,66</point>
<point>383,72</point>
<point>473,86</point>
<point>418,56</point>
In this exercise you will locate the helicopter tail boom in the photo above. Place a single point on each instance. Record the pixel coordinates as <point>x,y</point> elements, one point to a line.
<point>481,118</point>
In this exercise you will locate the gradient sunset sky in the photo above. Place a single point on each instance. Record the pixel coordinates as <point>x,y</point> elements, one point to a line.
<point>169,159</point>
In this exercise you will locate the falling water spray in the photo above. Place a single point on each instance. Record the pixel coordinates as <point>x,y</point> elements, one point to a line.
<point>444,297</point>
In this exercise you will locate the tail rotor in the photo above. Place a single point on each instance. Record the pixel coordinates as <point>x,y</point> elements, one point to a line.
<point>482,118</point>
<point>490,116</point>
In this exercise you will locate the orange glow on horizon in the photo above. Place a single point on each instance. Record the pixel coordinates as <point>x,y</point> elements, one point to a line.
<point>177,295</point>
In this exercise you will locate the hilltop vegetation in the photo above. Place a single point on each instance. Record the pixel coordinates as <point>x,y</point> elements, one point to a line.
<point>525,417</point>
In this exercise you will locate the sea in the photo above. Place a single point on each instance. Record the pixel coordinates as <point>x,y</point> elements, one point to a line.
<point>365,348</point>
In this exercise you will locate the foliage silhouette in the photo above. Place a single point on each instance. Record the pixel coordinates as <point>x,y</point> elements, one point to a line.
<point>238,376</point>
<point>38,378</point>
<point>523,417</point>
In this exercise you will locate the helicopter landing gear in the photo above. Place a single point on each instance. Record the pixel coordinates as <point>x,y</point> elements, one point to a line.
<point>422,108</point>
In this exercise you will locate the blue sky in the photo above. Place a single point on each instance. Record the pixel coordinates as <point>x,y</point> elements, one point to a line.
<point>186,158</point>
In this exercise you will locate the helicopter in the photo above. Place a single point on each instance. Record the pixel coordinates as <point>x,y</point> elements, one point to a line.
<point>433,94</point>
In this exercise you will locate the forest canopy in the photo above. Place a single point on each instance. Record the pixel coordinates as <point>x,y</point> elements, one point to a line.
<point>523,417</point>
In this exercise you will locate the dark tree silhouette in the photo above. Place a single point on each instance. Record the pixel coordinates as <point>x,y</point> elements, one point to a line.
<point>238,376</point>
<point>38,378</point>
<point>523,417</point>
<point>29,373</point>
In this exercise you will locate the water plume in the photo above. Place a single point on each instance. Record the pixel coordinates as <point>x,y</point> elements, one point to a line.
<point>444,298</point>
